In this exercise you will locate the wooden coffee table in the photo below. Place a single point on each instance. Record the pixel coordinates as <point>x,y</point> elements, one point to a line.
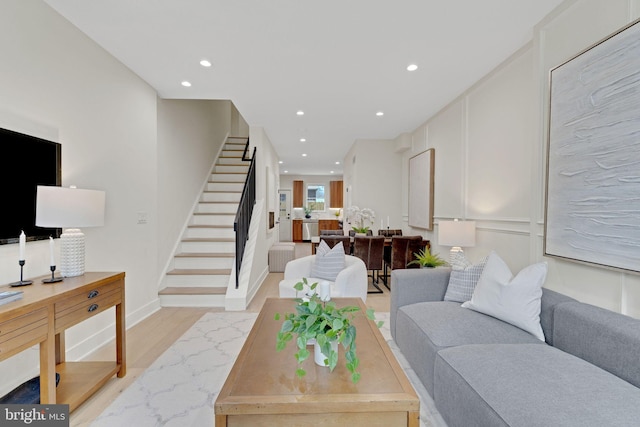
<point>262,388</point>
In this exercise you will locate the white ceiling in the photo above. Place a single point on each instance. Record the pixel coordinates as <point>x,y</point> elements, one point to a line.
<point>338,61</point>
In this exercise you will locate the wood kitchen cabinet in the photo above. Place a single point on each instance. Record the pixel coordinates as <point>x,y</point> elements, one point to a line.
<point>335,188</point>
<point>328,224</point>
<point>298,195</point>
<point>297,230</point>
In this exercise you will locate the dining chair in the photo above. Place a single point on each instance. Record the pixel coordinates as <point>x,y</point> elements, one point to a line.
<point>370,250</point>
<point>402,250</point>
<point>333,240</point>
<point>388,233</point>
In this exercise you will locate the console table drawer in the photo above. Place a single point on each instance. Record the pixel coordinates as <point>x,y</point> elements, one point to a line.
<point>22,332</point>
<point>84,296</point>
<point>67,314</point>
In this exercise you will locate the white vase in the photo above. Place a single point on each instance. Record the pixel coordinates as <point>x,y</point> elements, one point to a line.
<point>319,357</point>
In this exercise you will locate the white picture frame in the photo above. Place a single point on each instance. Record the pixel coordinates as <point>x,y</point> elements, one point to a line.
<point>421,167</point>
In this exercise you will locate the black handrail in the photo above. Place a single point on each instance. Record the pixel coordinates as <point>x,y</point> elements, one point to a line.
<point>245,209</point>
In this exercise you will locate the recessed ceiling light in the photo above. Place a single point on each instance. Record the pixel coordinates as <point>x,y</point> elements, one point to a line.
<point>337,163</point>
<point>281,162</point>
<point>300,113</point>
<point>304,155</point>
<point>186,84</point>
<point>331,172</point>
<point>412,67</point>
<point>303,140</point>
<point>205,63</point>
<point>379,114</point>
<point>286,171</point>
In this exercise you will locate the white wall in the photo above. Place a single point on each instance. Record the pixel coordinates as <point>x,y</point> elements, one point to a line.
<point>372,179</point>
<point>190,136</point>
<point>490,150</point>
<point>489,158</point>
<point>56,83</point>
<point>52,76</point>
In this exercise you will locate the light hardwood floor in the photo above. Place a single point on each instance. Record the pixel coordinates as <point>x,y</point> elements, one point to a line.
<point>147,340</point>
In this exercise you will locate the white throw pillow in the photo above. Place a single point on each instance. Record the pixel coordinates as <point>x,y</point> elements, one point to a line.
<point>515,300</point>
<point>328,261</point>
<point>462,282</point>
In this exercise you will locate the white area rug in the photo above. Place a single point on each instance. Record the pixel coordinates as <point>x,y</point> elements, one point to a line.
<point>180,387</point>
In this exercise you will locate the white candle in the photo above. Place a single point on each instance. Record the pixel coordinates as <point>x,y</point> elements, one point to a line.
<point>53,260</point>
<point>387,221</point>
<point>381,224</point>
<point>23,241</point>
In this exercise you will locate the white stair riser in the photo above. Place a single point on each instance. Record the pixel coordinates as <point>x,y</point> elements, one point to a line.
<point>192,300</point>
<point>210,233</point>
<point>231,161</point>
<point>211,196</point>
<point>198,263</point>
<point>243,169</point>
<point>232,152</point>
<point>228,177</point>
<point>238,144</point>
<point>208,247</point>
<point>192,280</point>
<point>227,208</point>
<point>227,219</point>
<point>225,186</point>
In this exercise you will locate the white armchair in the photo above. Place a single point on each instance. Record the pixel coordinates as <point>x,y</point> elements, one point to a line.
<point>350,282</point>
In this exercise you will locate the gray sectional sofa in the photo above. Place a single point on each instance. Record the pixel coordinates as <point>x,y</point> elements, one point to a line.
<point>481,371</point>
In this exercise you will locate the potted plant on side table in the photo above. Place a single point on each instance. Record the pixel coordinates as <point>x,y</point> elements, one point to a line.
<point>325,323</point>
<point>424,258</point>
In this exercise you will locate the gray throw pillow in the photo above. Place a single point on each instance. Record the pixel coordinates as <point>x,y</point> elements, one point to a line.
<point>462,282</point>
<point>328,262</point>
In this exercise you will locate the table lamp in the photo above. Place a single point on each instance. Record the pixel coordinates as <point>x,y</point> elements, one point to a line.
<point>69,209</point>
<point>457,234</point>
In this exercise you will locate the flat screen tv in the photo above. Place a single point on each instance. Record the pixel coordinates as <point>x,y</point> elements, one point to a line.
<point>27,162</point>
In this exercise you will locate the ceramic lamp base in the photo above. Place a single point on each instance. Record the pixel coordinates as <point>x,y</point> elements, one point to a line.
<point>457,259</point>
<point>72,253</point>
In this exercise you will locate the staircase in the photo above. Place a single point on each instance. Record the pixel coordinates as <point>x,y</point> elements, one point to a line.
<point>205,256</point>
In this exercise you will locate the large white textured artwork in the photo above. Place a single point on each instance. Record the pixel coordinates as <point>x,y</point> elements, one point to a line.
<point>593,171</point>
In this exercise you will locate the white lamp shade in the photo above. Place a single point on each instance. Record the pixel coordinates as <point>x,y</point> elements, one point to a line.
<point>59,207</point>
<point>457,233</point>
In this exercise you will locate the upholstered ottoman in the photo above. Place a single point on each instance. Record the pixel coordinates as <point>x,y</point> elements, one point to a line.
<point>279,255</point>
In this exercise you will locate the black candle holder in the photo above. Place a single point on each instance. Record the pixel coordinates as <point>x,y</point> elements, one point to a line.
<point>21,282</point>
<point>53,278</point>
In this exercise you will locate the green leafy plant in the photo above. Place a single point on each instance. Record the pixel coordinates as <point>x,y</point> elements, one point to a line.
<point>309,208</point>
<point>324,322</point>
<point>424,258</point>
